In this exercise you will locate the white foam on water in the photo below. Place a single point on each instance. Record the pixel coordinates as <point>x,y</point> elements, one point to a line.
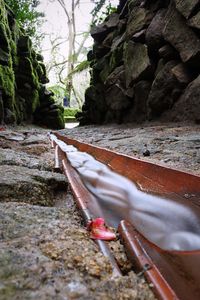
<point>168,224</point>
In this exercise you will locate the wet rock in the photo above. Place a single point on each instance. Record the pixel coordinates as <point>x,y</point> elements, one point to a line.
<point>181,37</point>
<point>186,7</point>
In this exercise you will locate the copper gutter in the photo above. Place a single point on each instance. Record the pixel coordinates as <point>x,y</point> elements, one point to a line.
<point>143,263</point>
<point>148,176</point>
<point>85,201</point>
<point>174,275</point>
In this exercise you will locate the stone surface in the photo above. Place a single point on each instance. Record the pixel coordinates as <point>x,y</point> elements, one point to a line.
<point>139,37</point>
<point>138,19</point>
<point>45,252</point>
<point>195,21</point>
<point>138,112</point>
<point>22,184</point>
<point>116,77</point>
<point>136,62</point>
<point>116,99</point>
<point>100,32</point>
<point>22,75</point>
<point>175,145</point>
<point>133,4</point>
<point>95,110</point>
<point>154,37</point>
<point>182,74</point>
<point>186,7</point>
<point>149,35</point>
<point>161,93</point>
<point>188,106</point>
<point>168,52</point>
<point>182,38</point>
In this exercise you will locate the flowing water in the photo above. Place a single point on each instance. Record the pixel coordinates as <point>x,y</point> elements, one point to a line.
<point>166,223</point>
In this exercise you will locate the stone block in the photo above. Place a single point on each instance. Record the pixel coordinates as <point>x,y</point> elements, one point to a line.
<point>136,62</point>
<point>186,7</point>
<point>181,37</point>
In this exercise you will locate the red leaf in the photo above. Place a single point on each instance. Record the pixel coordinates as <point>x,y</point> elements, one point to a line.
<point>99,231</point>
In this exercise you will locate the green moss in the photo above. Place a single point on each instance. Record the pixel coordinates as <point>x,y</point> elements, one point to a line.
<point>116,58</point>
<point>7,81</point>
<point>35,100</point>
<point>60,122</point>
<point>14,53</point>
<point>40,70</point>
<point>70,112</point>
<point>26,71</point>
<point>21,75</point>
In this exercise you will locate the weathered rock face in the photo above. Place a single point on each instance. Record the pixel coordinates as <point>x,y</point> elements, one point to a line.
<point>22,78</point>
<point>145,62</point>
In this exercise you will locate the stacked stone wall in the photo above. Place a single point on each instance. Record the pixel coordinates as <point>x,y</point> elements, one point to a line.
<point>145,64</point>
<point>23,95</point>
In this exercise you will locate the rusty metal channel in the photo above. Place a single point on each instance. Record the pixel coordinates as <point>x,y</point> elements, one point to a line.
<point>174,274</point>
<point>85,201</point>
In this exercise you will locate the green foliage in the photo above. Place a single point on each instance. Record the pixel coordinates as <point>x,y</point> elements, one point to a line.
<point>101,10</point>
<point>27,16</point>
<point>81,67</point>
<point>70,112</point>
<point>59,92</point>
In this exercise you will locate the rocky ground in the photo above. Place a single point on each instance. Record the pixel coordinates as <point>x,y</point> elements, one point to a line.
<point>45,251</point>
<point>174,145</point>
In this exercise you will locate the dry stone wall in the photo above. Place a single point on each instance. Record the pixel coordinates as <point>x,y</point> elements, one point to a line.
<point>145,64</point>
<point>23,95</point>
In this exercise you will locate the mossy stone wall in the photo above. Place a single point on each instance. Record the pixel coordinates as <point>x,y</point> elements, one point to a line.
<point>22,78</point>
